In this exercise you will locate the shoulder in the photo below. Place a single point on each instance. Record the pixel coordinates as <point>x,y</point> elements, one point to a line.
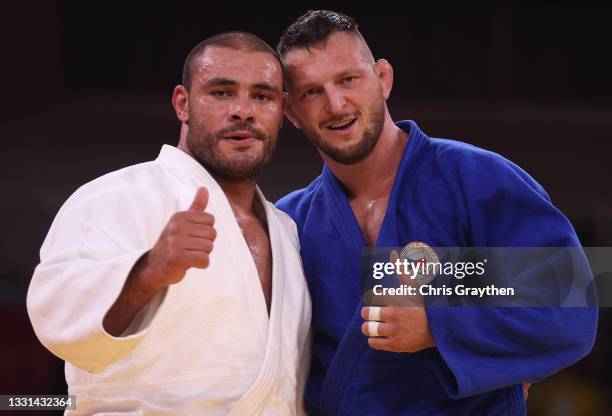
<point>147,176</point>
<point>131,186</point>
<point>120,208</point>
<point>460,153</point>
<point>472,165</point>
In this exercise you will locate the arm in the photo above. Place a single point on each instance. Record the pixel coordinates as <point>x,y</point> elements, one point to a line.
<point>482,349</point>
<point>133,297</point>
<point>96,273</point>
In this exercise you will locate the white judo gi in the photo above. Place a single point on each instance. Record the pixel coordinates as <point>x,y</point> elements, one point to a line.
<point>206,345</point>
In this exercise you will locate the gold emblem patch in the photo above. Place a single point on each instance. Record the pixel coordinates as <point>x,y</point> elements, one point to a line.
<point>422,259</point>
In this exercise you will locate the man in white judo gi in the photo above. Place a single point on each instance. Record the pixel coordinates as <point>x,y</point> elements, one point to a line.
<point>173,286</point>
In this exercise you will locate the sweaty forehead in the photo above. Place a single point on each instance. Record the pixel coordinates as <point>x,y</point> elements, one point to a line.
<point>239,65</point>
<point>339,52</point>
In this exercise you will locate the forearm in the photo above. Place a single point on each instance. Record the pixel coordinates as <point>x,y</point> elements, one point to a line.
<point>135,294</point>
<point>479,350</point>
<point>67,301</point>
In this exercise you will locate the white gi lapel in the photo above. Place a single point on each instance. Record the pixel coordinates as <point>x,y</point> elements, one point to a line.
<point>253,401</point>
<point>252,292</point>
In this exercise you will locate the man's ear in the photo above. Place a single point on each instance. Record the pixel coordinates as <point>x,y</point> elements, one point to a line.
<point>384,71</point>
<point>290,115</point>
<point>180,102</point>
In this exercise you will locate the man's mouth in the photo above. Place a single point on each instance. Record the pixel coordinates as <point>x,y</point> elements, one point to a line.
<point>241,136</point>
<point>341,125</point>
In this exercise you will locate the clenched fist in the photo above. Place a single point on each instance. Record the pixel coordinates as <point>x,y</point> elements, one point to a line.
<point>185,242</point>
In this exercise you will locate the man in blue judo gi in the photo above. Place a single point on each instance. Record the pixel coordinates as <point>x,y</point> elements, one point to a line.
<point>388,184</point>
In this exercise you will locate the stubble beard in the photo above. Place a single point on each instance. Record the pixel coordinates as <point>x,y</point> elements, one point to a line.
<point>204,146</point>
<point>359,150</point>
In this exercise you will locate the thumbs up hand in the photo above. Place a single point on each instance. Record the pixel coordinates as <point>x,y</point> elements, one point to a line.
<point>185,242</point>
<point>200,200</point>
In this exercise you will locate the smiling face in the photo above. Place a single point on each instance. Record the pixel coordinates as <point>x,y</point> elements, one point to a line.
<point>233,110</point>
<point>337,96</point>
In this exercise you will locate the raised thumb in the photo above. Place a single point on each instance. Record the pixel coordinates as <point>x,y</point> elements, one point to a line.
<point>200,200</point>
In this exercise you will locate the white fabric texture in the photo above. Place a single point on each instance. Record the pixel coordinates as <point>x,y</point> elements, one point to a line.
<point>207,344</point>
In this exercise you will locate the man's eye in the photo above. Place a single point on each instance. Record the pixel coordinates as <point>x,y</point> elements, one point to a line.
<point>349,80</point>
<point>220,93</point>
<point>312,91</point>
<point>262,97</point>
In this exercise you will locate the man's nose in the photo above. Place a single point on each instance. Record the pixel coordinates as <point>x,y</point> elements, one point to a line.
<point>336,101</point>
<point>242,109</point>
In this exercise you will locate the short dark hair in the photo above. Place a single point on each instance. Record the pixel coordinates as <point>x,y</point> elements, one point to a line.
<point>314,27</point>
<point>234,40</point>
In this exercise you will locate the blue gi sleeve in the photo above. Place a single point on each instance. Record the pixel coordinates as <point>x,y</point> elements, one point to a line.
<point>483,349</point>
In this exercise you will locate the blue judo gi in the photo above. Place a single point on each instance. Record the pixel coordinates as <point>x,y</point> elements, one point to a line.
<point>445,194</point>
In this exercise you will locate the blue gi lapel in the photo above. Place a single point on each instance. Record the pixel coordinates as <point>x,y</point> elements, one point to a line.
<point>341,212</point>
<point>354,343</point>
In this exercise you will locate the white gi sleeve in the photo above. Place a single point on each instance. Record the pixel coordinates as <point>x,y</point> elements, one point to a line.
<point>94,242</point>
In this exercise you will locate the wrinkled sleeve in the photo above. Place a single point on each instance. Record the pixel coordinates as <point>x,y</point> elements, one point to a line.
<point>94,242</point>
<point>483,349</point>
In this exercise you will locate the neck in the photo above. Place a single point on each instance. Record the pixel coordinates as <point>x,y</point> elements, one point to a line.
<point>373,176</point>
<point>240,193</point>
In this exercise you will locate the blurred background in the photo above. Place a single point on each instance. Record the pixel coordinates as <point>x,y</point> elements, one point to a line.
<point>87,89</point>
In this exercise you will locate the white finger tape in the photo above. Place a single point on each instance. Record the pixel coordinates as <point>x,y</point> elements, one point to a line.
<point>373,328</point>
<point>374,313</point>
